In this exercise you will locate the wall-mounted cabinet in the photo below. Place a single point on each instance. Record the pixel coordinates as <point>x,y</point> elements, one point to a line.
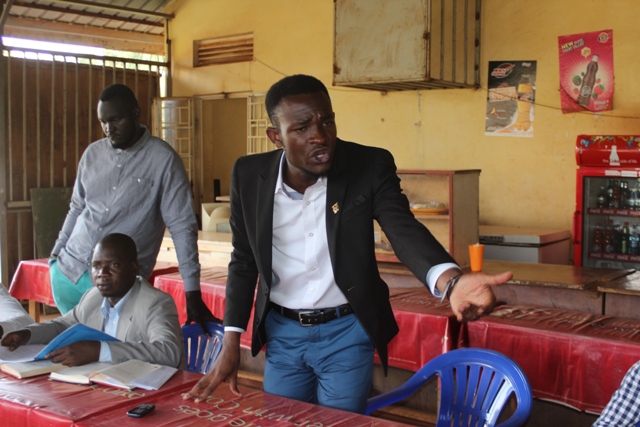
<point>446,202</point>
<point>406,44</point>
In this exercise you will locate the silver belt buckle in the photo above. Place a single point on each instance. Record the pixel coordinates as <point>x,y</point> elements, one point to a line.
<point>300,313</point>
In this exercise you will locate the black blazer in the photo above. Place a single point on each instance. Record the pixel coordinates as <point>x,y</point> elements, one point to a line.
<point>364,184</point>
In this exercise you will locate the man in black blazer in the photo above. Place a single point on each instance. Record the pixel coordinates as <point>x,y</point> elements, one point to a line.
<point>302,221</point>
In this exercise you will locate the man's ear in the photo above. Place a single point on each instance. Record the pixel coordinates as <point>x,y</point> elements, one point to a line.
<point>274,136</point>
<point>136,113</point>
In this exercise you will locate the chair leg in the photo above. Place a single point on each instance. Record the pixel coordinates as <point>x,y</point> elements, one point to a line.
<point>34,310</point>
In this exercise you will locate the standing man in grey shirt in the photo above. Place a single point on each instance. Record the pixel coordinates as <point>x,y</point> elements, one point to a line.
<point>131,183</point>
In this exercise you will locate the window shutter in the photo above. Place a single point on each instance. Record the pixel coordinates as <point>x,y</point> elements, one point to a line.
<point>223,50</point>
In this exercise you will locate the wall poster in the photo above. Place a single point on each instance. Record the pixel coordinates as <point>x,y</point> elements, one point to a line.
<point>586,71</point>
<point>510,98</point>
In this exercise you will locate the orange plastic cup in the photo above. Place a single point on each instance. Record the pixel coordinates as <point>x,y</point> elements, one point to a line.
<point>476,254</point>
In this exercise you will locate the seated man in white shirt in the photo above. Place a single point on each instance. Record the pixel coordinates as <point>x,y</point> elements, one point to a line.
<point>123,305</point>
<point>12,315</point>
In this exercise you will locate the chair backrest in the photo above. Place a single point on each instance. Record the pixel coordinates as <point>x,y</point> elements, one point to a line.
<point>202,350</point>
<point>49,207</point>
<point>475,386</point>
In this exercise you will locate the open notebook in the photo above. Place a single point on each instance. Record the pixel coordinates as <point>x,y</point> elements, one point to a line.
<point>128,375</point>
<point>30,369</point>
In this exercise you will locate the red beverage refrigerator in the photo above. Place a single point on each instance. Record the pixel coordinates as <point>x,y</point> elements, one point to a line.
<point>606,223</point>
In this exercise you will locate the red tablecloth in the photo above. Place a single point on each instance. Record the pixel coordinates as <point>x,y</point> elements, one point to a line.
<point>569,356</point>
<point>213,281</point>
<point>31,280</point>
<point>254,408</point>
<point>428,328</point>
<point>421,318</point>
<point>37,401</point>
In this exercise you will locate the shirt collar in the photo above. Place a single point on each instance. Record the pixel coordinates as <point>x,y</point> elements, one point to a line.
<point>106,306</point>
<point>144,140</point>
<point>280,185</point>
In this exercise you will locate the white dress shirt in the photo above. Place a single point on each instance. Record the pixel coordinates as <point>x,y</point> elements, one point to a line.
<point>111,319</point>
<point>302,270</point>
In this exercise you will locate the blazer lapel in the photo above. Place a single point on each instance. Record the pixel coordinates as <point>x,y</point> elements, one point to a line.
<point>264,213</point>
<point>126,315</point>
<point>90,312</point>
<point>336,190</point>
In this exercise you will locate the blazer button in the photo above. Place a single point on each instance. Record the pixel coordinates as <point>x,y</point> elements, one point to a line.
<point>256,320</point>
<point>266,291</point>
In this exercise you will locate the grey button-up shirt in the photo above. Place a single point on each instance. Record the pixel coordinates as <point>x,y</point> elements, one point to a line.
<point>137,191</point>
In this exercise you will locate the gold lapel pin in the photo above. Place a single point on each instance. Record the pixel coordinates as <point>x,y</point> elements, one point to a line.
<point>335,208</point>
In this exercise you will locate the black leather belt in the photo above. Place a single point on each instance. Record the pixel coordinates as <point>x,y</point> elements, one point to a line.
<point>313,317</point>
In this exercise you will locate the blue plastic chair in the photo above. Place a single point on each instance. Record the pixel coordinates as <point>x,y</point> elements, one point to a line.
<point>202,350</point>
<point>475,385</point>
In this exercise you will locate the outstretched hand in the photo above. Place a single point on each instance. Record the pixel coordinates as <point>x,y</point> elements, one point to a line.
<point>197,311</point>
<point>472,297</point>
<point>225,368</point>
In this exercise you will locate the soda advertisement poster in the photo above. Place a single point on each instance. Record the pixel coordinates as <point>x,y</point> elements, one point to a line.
<point>586,71</point>
<point>510,98</point>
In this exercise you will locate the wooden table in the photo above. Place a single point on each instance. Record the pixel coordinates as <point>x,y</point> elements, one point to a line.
<point>622,296</point>
<point>214,249</point>
<point>547,285</point>
<point>553,285</point>
<point>554,275</point>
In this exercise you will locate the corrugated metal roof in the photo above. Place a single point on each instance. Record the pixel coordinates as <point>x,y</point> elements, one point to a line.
<point>96,13</point>
<point>138,20</point>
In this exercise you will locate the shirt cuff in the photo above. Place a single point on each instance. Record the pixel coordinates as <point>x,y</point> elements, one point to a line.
<point>57,248</point>
<point>234,329</point>
<point>105,352</point>
<point>434,274</point>
<point>191,284</point>
<point>17,323</point>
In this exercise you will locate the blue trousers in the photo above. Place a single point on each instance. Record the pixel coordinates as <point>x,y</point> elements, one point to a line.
<point>67,294</point>
<point>329,364</point>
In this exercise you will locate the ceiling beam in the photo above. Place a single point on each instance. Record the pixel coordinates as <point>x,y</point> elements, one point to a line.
<point>19,3</point>
<point>99,5</point>
<point>84,35</point>
<point>5,15</point>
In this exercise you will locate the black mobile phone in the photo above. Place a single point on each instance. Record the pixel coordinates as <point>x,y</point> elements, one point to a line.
<point>141,410</point>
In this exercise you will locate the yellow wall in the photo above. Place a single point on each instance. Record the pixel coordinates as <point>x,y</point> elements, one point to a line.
<point>526,182</point>
<point>224,137</point>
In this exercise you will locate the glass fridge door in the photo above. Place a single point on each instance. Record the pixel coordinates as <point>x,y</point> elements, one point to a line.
<point>611,227</point>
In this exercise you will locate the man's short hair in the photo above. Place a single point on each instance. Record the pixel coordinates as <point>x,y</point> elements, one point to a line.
<point>125,245</point>
<point>298,84</point>
<point>121,92</point>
